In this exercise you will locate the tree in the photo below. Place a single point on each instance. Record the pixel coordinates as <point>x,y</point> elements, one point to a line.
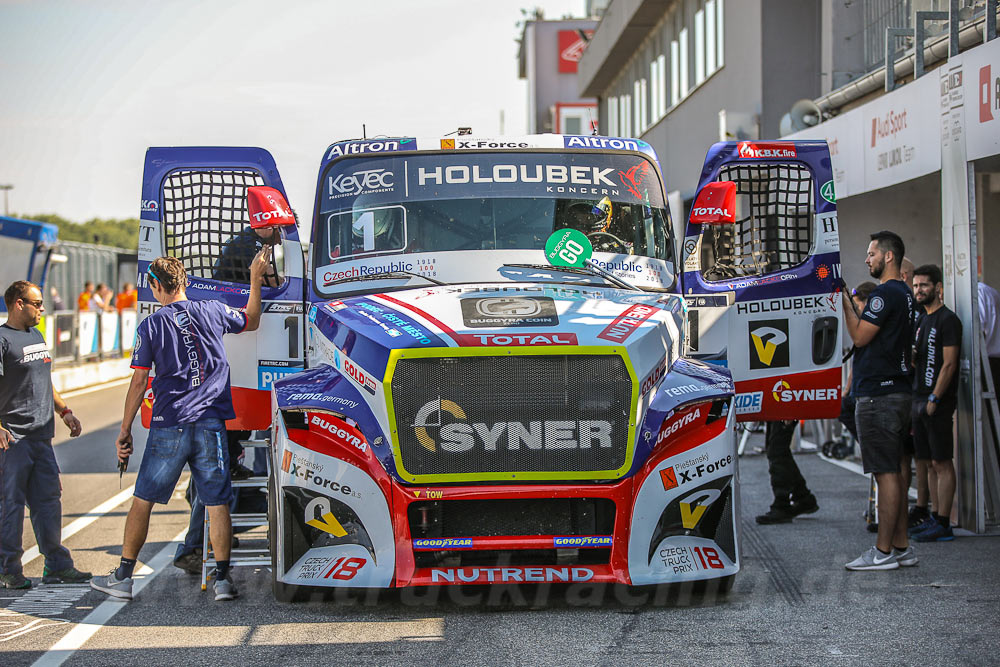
<point>111,231</point>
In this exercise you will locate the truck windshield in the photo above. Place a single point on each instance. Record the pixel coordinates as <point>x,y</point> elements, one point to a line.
<point>377,206</point>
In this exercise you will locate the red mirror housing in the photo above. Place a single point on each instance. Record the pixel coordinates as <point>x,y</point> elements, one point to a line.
<point>716,204</point>
<point>267,208</point>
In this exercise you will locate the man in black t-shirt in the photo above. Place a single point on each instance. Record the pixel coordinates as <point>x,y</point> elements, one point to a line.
<point>29,474</point>
<point>936,346</point>
<point>882,379</point>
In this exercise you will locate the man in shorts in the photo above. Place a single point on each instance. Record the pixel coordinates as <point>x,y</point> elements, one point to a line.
<point>192,401</point>
<point>882,387</point>
<point>936,346</point>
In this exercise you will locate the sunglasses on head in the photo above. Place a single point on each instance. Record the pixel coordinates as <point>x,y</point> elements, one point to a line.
<point>149,271</point>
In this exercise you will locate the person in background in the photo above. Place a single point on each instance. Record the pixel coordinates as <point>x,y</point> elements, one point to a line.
<point>83,299</point>
<point>96,304</point>
<point>127,298</point>
<point>107,298</point>
<point>792,496</point>
<point>936,346</point>
<point>989,319</point>
<point>29,474</point>
<point>57,301</point>
<point>906,272</point>
<point>859,296</point>
<point>883,336</point>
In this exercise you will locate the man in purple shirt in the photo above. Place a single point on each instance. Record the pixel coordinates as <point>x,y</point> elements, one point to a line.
<point>183,341</point>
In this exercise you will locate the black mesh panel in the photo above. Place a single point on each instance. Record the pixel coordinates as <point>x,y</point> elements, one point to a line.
<point>498,414</point>
<point>774,227</point>
<point>202,210</point>
<point>498,517</point>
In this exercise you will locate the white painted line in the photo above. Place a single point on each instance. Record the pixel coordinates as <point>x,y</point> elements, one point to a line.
<point>95,620</point>
<point>84,521</point>
<point>96,387</point>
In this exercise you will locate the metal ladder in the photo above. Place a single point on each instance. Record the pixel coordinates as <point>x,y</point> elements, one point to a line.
<point>240,557</point>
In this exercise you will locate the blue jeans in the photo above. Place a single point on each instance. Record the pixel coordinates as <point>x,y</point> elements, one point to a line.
<point>201,445</point>
<point>29,475</point>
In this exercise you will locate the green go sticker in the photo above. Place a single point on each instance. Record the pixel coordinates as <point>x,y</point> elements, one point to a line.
<point>568,247</point>
<point>827,193</point>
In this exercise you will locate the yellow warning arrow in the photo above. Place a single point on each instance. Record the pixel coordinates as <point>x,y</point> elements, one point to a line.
<point>328,524</point>
<point>689,517</point>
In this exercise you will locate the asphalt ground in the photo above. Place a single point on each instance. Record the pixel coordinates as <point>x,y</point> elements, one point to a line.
<point>793,603</point>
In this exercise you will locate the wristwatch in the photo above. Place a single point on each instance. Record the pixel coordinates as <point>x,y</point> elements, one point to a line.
<point>932,398</point>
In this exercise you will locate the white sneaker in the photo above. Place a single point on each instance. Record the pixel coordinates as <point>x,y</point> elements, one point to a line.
<point>225,589</point>
<point>119,588</point>
<point>905,557</point>
<point>873,559</point>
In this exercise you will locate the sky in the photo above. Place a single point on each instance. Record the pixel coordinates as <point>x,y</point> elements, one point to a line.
<point>88,85</point>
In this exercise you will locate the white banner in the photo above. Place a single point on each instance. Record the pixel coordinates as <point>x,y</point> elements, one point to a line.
<point>901,133</point>
<point>981,81</point>
<point>897,137</point>
<point>844,140</point>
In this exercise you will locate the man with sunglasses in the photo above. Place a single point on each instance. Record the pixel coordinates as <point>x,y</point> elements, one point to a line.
<point>192,401</point>
<point>29,473</point>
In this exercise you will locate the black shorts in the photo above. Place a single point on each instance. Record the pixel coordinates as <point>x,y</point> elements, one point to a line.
<point>883,424</point>
<point>933,435</point>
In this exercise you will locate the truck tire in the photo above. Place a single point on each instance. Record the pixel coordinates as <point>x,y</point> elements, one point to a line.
<point>282,592</point>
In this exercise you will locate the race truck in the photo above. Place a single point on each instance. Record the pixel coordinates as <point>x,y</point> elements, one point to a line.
<point>490,365</point>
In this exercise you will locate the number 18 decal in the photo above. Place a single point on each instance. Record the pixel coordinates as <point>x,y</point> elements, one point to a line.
<point>345,568</point>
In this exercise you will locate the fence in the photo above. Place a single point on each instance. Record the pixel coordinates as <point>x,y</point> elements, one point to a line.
<point>75,337</point>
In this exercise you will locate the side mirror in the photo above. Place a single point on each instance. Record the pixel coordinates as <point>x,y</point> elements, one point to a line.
<point>716,204</point>
<point>267,208</point>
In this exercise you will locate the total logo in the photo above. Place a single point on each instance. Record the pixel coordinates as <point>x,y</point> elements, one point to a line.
<point>490,340</point>
<point>277,211</point>
<point>353,371</point>
<point>783,393</point>
<point>460,436</point>
<point>752,150</point>
<point>724,212</point>
<point>360,182</point>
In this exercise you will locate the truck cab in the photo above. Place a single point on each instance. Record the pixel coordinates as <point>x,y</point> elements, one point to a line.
<point>480,368</point>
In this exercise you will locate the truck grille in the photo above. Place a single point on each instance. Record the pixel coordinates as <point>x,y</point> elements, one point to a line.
<point>509,417</point>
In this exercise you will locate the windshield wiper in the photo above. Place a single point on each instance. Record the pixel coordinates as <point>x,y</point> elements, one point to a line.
<point>387,276</point>
<point>590,269</point>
